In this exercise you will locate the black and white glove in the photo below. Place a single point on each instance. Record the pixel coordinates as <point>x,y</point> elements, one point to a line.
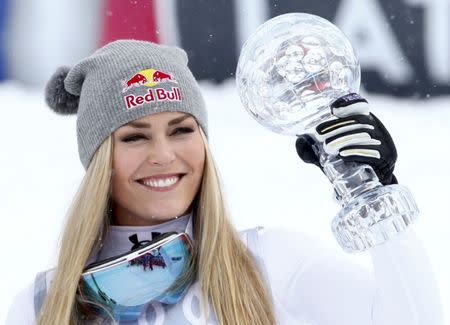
<point>356,136</point>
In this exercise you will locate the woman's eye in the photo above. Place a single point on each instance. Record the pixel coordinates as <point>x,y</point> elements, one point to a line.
<point>132,138</point>
<point>137,137</point>
<point>182,130</point>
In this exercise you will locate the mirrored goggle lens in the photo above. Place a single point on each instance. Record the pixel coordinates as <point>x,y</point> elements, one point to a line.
<point>161,274</point>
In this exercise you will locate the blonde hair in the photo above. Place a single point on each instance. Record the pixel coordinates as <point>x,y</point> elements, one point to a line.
<point>227,272</point>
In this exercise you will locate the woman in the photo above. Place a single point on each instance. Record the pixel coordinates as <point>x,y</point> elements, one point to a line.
<point>142,138</point>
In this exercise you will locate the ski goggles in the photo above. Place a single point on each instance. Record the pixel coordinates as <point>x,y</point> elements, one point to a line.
<point>120,287</point>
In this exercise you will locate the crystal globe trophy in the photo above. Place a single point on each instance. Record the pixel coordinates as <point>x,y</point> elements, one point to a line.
<point>290,70</point>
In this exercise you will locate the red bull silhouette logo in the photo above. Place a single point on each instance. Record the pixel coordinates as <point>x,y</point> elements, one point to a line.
<point>138,79</point>
<point>159,76</point>
<point>148,78</point>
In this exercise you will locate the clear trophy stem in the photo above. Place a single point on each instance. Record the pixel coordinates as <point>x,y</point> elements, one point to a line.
<point>371,213</point>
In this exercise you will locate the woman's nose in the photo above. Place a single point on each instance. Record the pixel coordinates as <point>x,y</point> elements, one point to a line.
<point>161,153</point>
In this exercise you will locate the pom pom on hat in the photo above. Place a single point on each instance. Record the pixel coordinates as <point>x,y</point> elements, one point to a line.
<point>56,95</point>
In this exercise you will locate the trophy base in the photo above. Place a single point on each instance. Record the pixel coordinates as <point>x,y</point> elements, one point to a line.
<point>374,217</point>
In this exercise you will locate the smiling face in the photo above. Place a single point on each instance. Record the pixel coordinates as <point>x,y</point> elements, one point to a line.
<point>158,164</point>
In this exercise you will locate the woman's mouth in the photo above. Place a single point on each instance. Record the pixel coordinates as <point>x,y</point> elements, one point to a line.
<point>161,184</point>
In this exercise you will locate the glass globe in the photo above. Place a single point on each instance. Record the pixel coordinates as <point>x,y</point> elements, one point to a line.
<point>292,68</point>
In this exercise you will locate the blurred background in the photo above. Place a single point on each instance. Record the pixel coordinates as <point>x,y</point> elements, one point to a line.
<point>404,50</point>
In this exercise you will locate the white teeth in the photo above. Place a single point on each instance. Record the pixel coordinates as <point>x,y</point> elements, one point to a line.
<point>162,182</point>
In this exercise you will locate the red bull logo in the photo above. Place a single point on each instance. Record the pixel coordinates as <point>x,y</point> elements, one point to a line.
<point>159,76</point>
<point>138,79</point>
<point>150,78</point>
<point>147,78</point>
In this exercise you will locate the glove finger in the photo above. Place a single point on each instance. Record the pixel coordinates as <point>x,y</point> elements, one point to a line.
<point>382,167</point>
<point>350,134</point>
<point>305,151</point>
<point>369,155</point>
<point>351,104</point>
<point>382,131</point>
<point>380,136</point>
<point>333,127</point>
<point>335,144</point>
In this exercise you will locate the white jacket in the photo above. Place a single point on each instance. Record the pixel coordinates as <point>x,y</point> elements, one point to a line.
<point>310,283</point>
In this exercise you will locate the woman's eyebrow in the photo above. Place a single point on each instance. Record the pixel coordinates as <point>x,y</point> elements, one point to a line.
<point>142,125</point>
<point>179,119</point>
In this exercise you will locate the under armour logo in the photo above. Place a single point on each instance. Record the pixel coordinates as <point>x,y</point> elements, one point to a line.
<point>136,243</point>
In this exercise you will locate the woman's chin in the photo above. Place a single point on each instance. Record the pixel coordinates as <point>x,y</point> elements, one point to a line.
<point>163,215</point>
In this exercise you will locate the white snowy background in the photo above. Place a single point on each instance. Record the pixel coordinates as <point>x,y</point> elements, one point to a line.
<point>265,181</point>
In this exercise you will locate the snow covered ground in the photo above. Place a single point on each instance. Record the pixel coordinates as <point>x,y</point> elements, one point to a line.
<point>265,181</point>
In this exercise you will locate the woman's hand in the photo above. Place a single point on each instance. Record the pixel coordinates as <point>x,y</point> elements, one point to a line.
<point>360,138</point>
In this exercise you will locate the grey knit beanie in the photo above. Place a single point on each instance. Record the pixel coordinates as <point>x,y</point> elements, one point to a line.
<point>121,82</point>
